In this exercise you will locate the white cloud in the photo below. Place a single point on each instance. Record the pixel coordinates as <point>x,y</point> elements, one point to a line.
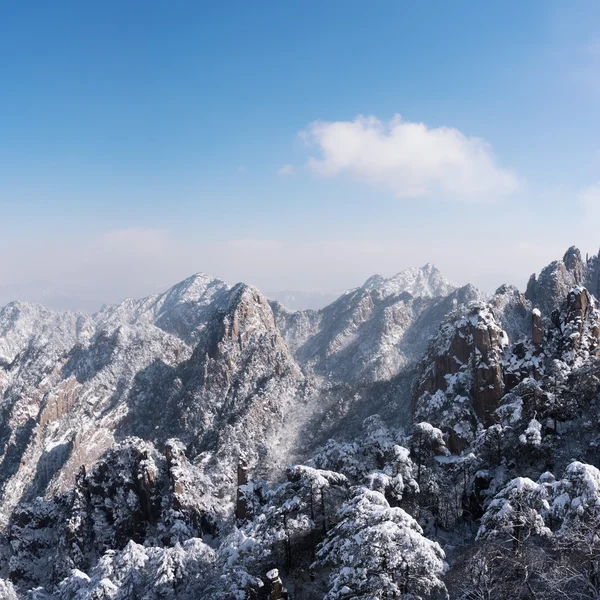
<point>410,159</point>
<point>286,170</point>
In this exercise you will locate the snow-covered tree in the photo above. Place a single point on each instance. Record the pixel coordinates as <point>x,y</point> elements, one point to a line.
<point>7,591</point>
<point>426,442</point>
<point>378,551</point>
<point>532,436</point>
<point>516,513</point>
<point>576,510</point>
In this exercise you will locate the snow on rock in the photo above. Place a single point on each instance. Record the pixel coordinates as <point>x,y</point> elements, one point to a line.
<point>373,332</point>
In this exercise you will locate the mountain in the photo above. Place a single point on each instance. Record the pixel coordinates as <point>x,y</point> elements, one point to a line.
<point>370,333</point>
<point>185,363</point>
<point>145,450</point>
<point>425,281</point>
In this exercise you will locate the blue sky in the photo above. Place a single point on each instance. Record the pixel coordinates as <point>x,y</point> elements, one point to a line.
<point>143,141</point>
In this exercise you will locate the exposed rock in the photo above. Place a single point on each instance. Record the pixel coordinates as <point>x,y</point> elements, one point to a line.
<point>465,358</point>
<point>549,290</point>
<point>574,264</point>
<point>512,311</point>
<point>537,329</point>
<point>578,301</point>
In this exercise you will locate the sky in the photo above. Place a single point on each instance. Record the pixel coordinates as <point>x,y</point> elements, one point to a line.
<point>294,145</point>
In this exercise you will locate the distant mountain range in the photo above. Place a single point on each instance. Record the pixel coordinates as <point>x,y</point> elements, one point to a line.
<point>55,298</point>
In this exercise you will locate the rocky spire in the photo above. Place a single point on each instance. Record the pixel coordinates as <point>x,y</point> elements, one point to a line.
<point>537,331</point>
<point>573,263</point>
<point>548,290</point>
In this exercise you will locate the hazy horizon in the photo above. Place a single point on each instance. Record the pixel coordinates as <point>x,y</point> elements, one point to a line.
<point>90,298</point>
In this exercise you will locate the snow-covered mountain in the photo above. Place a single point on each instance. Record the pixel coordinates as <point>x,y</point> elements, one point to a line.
<point>371,333</point>
<point>131,437</point>
<point>424,282</point>
<point>186,363</point>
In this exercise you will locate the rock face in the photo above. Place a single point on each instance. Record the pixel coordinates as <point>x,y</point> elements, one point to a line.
<point>537,328</point>
<point>578,301</point>
<point>512,310</point>
<point>373,332</point>
<point>578,321</point>
<point>473,362</point>
<point>463,361</point>
<point>549,290</point>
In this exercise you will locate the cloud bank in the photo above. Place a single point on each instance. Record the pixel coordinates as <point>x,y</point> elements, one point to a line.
<point>410,159</point>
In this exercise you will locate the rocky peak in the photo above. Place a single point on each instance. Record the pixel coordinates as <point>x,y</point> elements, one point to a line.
<point>426,281</point>
<point>242,321</point>
<point>182,310</point>
<point>549,289</point>
<point>513,311</point>
<point>574,263</point>
<point>578,301</point>
<point>198,288</point>
<point>463,362</point>
<point>579,329</point>
<point>248,313</point>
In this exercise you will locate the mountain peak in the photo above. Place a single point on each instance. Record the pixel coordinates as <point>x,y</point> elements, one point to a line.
<point>425,281</point>
<point>195,288</point>
<point>547,291</point>
<point>572,258</point>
